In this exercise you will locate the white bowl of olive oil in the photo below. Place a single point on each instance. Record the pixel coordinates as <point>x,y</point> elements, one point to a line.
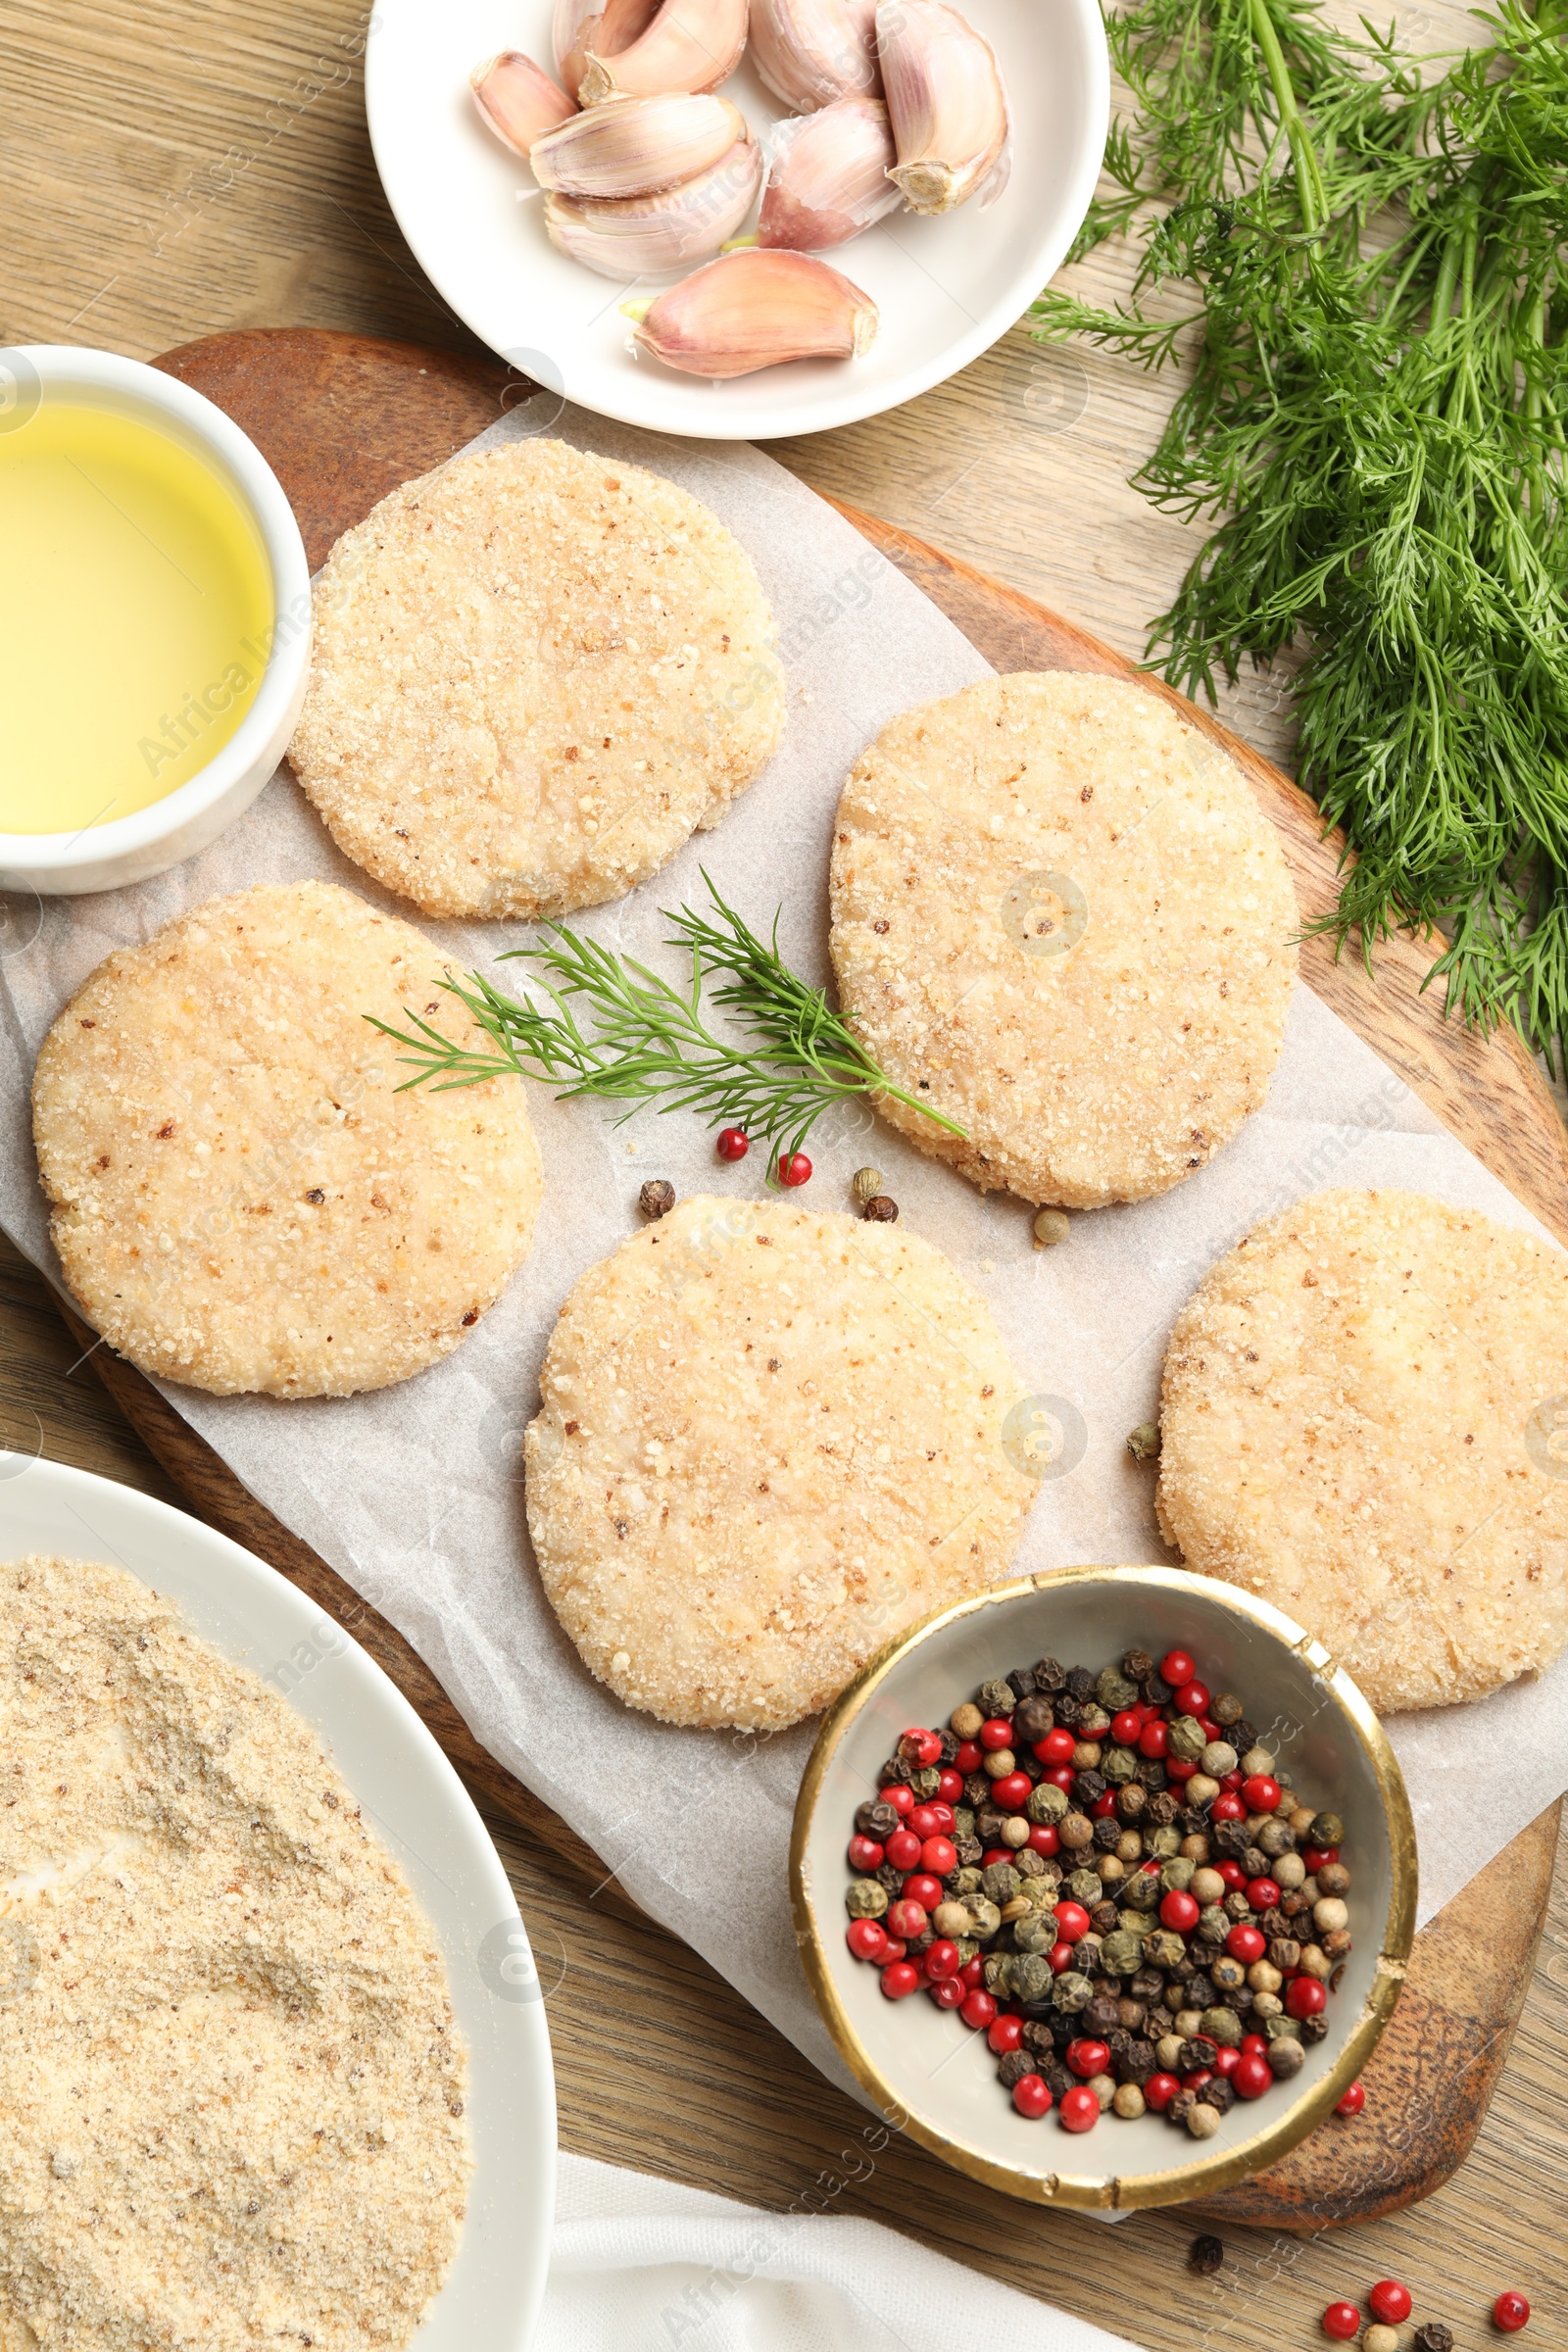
<point>155,620</point>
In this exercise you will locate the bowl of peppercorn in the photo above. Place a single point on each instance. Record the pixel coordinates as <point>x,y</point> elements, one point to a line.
<point>1105,1882</point>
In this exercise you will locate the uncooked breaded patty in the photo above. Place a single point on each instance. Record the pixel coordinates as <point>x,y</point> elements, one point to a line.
<point>535,673</point>
<point>1365,1421</point>
<point>771,1438</point>
<point>240,1196</point>
<point>1061,917</point>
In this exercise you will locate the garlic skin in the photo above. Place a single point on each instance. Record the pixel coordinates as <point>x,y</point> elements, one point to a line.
<point>828,177</point>
<point>945,103</point>
<point>639,147</point>
<point>517,100</point>
<point>653,236</point>
<point>752,310</point>
<point>810,53</point>
<point>690,46</point>
<point>608,26</point>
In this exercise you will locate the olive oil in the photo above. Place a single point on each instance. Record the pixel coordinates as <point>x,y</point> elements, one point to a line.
<point>135,608</point>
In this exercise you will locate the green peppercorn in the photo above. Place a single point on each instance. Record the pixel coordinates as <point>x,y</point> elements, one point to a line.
<point>1327,1829</point>
<point>998,1698</point>
<point>1084,1887</point>
<point>866,1184</point>
<point>1050,1227</point>
<point>1117,1768</point>
<point>1046,1805</point>
<point>1224,2027</point>
<point>927,1783</point>
<point>1001,1881</point>
<point>1177,1874</point>
<point>1036,1932</point>
<point>1031,1977</point>
<point>1164,1949</point>
<point>1142,1442</point>
<point>1114,1691</point>
<point>1072,1991</point>
<point>1122,1953</point>
<point>866,1898</point>
<point>1162,1843</point>
<point>986,1916</point>
<point>1286,2057</point>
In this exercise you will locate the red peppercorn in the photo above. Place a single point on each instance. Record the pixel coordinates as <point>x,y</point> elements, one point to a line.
<point>1013,1791</point>
<point>941,1959</point>
<point>1061,1774</point>
<point>972,1975</point>
<point>733,1143</point>
<point>924,1822</point>
<point>1226,1807</point>
<point>897,1949</point>
<point>1233,1874</point>
<point>907,1919</point>
<point>1072,1922</point>
<point>1088,2058</point>
<point>1318,1857</point>
<point>1246,1944</point>
<point>899,1979</point>
<point>867,1940</point>
<point>1353,2100</point>
<point>1255,2045</point>
<point>1176,1668</point>
<point>969,1758</point>
<point>1510,2313</point>
<point>1226,2062</point>
<point>1177,1910</point>
<point>979,2011</point>
<point>949,1786</point>
<point>1390,2301</point>
<point>1251,2074</point>
<point>921,1887</point>
<point>1262,1793</point>
<point>1030,2095</point>
<point>1192,1698</point>
<point>1180,1770</point>
<point>1153,1738</point>
<point>1263,1893</point>
<point>794,1168</point>
<point>896,1794</point>
<point>919,1747</point>
<point>1199,2080</point>
<point>1103,1806</point>
<point>949,1993</point>
<point>1061,1958</point>
<point>997,1853</point>
<point>1341,2319</point>
<point>1209,1728</point>
<point>1043,1837</point>
<point>903,1849</point>
<point>1079,2110</point>
<point>865,1855</point>
<point>1055,1749</point>
<point>1004,2033</point>
<point>1126,1728</point>
<point>1305,1997</point>
<point>939,1855</point>
<point>1159,2091</point>
<point>1230,1782</point>
<point>998,1732</point>
<point>942,1815</point>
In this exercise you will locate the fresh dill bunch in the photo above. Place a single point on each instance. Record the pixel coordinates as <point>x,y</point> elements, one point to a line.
<point>649,1043</point>
<point>1374,428</point>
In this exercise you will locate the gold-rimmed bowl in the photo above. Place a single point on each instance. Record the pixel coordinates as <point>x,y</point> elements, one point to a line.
<point>935,2077</point>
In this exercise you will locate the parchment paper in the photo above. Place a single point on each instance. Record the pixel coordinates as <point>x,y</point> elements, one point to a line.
<point>415,1494</point>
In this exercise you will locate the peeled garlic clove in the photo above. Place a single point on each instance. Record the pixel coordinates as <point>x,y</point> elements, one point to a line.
<point>653,236</point>
<point>518,99</point>
<point>812,53</point>
<point>690,46</point>
<point>754,310</point>
<point>637,147</point>
<point>827,177</point>
<point>607,26</point>
<point>945,103</point>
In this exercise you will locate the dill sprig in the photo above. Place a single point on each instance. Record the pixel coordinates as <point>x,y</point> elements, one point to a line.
<point>652,1044</point>
<point>1375,426</point>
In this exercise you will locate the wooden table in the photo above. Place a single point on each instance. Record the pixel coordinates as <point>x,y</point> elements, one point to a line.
<point>169,168</point>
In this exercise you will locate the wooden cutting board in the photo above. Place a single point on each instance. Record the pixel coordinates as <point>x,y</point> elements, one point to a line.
<point>343,420</point>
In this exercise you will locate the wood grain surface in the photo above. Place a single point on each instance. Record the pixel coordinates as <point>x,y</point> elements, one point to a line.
<point>342,420</point>
<point>171,168</point>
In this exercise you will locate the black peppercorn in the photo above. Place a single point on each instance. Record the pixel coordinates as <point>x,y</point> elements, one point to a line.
<point>1230,1839</point>
<point>1137,2062</point>
<point>1067,1711</point>
<point>1108,1834</point>
<point>1014,2067</point>
<point>893,1880</point>
<point>950,1747</point>
<point>1205,2255</point>
<point>1220,2094</point>
<point>1225,1709</point>
<point>1161,1808</point>
<point>1033,1718</point>
<point>1147,1985</point>
<point>1434,2337</point>
<point>976,1789</point>
<point>1088,1787</point>
<point>1048,1675</point>
<point>1244,1735</point>
<point>1193,1822</point>
<point>657,1199</point>
<point>1023,1682</point>
<point>1313,2028</point>
<point>1200,1995</point>
<point>875,1819</point>
<point>1057,2079</point>
<point>1131,1800</point>
<point>1156,1690</point>
<point>1200,2051</point>
<point>1080,1682</point>
<point>895,1769</point>
<point>1099,2017</point>
<point>969,1851</point>
<point>880,1209</point>
<point>1137,1665</point>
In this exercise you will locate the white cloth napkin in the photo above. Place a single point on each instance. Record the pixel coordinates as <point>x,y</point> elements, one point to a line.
<point>643,2265</point>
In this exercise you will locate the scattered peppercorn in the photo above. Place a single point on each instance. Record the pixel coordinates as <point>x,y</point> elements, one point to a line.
<point>1381,2339</point>
<point>866,1184</point>
<point>1050,1227</point>
<point>1434,2337</point>
<point>1510,2312</point>
<point>1142,1442</point>
<point>881,1211</point>
<point>657,1199</point>
<point>733,1143</point>
<point>1205,2255</point>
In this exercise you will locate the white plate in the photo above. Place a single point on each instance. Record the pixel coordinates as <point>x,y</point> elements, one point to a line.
<point>407,1788</point>
<point>946,289</point>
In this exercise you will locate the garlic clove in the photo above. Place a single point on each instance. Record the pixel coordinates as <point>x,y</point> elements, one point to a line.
<point>827,177</point>
<point>945,103</point>
<point>653,236</point>
<point>690,46</point>
<point>752,310</point>
<point>518,99</point>
<point>608,26</point>
<point>638,146</point>
<point>812,53</point>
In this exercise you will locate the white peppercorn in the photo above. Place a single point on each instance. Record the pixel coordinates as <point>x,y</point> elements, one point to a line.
<point>1286,2057</point>
<point>1289,1872</point>
<point>951,1919</point>
<point>1266,2005</point>
<point>1315,1962</point>
<point>1329,1913</point>
<point>1205,1886</point>
<point>1188,2021</point>
<point>999,1762</point>
<point>1264,1977</point>
<point>1202,2121</point>
<point>1104,2088</point>
<point>1258,1760</point>
<point>1201,1789</point>
<point>1050,1227</point>
<point>1381,2339</point>
<point>1168,2050</point>
<point>1217,1759</point>
<point>966,1721</point>
<point>1015,1831</point>
<point>1129,2099</point>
